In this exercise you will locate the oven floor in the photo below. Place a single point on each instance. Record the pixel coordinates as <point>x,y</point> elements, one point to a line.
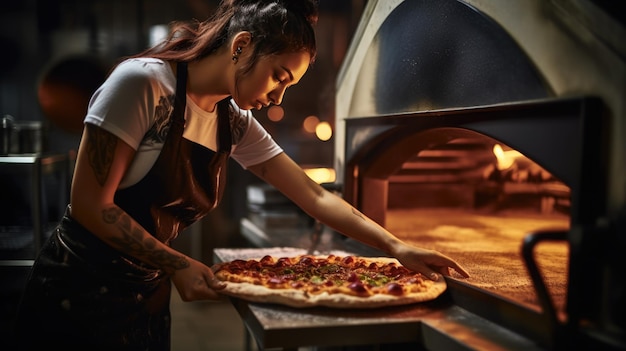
<point>488,246</point>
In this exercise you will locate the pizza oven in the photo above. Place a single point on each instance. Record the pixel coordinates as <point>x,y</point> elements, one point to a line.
<point>494,132</point>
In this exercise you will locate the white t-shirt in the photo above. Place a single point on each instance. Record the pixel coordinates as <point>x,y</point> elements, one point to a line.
<point>137,99</point>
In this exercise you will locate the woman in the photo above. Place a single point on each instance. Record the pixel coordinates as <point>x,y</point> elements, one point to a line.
<point>152,161</point>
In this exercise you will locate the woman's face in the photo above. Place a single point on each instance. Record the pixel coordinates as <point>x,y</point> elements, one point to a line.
<point>268,80</point>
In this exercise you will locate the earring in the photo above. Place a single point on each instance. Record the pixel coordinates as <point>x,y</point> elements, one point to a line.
<point>236,54</point>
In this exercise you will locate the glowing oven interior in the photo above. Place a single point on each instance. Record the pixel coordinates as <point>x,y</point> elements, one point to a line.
<point>475,202</point>
<point>473,183</point>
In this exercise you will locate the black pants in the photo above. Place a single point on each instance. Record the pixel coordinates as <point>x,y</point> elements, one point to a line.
<point>82,293</point>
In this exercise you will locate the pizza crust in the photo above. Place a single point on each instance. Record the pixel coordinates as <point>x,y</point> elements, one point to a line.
<point>302,299</point>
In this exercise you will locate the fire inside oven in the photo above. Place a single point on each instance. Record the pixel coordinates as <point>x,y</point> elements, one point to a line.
<point>475,199</point>
<point>474,183</point>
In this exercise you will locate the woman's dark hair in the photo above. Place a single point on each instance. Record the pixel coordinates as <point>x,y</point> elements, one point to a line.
<point>277,26</point>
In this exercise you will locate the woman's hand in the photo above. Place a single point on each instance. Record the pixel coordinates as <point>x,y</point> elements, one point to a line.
<point>427,262</point>
<point>197,282</point>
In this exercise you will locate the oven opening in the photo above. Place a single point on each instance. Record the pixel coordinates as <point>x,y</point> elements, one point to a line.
<point>474,199</point>
<point>514,192</point>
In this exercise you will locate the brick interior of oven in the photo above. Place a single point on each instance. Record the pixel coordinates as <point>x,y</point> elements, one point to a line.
<point>447,198</point>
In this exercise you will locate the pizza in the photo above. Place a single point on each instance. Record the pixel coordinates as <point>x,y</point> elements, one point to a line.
<point>326,280</point>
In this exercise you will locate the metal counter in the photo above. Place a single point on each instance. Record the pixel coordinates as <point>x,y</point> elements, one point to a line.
<point>20,244</point>
<point>433,325</point>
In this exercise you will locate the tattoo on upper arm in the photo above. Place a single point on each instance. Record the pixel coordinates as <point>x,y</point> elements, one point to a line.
<point>100,150</point>
<point>357,213</point>
<point>133,241</point>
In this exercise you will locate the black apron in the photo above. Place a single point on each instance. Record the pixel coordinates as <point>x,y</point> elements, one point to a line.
<point>84,294</point>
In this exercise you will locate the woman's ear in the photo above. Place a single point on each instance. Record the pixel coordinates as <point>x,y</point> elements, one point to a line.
<point>241,40</point>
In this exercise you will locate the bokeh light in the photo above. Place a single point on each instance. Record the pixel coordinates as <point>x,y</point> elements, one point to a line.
<point>321,175</point>
<point>275,113</point>
<point>310,124</point>
<point>324,131</point>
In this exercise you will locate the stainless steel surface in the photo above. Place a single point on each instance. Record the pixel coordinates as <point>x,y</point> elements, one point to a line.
<point>30,137</point>
<point>16,263</point>
<point>7,134</point>
<point>434,324</point>
<point>37,166</point>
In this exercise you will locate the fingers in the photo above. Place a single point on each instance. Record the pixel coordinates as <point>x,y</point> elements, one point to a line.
<point>445,263</point>
<point>215,283</point>
<point>206,289</point>
<point>427,271</point>
<point>197,282</point>
<point>216,267</point>
<point>431,263</point>
<point>457,267</point>
<point>461,271</point>
<point>444,271</point>
<point>436,271</point>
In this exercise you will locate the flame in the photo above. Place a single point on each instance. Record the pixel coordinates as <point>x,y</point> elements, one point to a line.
<point>505,159</point>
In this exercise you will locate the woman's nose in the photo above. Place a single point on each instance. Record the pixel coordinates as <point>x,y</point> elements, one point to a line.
<point>276,96</point>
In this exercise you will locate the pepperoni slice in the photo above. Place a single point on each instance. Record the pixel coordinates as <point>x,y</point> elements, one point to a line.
<point>358,287</point>
<point>394,289</point>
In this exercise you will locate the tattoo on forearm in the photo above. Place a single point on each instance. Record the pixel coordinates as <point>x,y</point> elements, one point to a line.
<point>132,240</point>
<point>357,213</point>
<point>100,149</point>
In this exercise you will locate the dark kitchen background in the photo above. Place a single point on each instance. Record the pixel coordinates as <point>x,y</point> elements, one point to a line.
<point>404,87</point>
<point>56,52</point>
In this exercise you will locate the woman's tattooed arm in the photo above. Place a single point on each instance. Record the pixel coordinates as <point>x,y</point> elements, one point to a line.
<point>137,244</point>
<point>133,239</point>
<point>100,149</point>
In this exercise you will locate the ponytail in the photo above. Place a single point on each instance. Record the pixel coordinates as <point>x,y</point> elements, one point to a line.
<point>277,26</point>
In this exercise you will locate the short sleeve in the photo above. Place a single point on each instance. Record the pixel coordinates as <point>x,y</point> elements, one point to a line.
<point>125,104</point>
<point>255,144</point>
